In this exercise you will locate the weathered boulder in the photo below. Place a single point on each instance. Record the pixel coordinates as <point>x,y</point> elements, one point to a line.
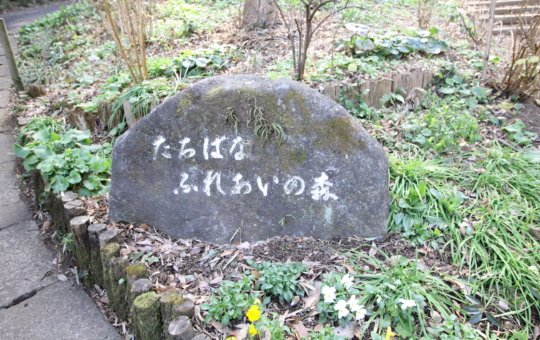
<point>252,158</point>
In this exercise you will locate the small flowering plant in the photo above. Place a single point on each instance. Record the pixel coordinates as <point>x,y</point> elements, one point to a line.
<point>339,300</point>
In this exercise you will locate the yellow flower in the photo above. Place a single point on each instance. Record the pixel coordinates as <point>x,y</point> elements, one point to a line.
<point>252,330</point>
<point>389,333</point>
<point>231,338</point>
<point>257,302</point>
<point>253,314</point>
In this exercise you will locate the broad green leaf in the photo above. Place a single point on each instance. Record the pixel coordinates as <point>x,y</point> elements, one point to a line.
<point>479,91</point>
<point>30,162</point>
<point>92,182</point>
<point>43,151</point>
<point>42,136</point>
<point>521,61</point>
<point>506,105</point>
<point>21,151</point>
<point>59,184</point>
<point>533,155</point>
<point>447,90</point>
<point>533,59</point>
<point>74,177</point>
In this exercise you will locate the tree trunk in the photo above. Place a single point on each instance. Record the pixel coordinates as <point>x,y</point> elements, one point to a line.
<point>259,13</point>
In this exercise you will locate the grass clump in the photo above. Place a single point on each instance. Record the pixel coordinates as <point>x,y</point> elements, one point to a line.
<point>401,296</point>
<point>280,280</point>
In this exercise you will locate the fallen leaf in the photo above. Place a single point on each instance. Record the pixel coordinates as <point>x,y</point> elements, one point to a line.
<point>347,332</point>
<point>373,250</point>
<point>312,299</point>
<point>216,280</point>
<point>301,329</point>
<point>503,304</point>
<point>62,277</point>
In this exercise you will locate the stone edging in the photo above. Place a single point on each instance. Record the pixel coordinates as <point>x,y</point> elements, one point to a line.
<point>97,253</point>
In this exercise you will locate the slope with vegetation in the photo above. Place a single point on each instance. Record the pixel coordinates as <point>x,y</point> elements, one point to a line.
<point>464,170</point>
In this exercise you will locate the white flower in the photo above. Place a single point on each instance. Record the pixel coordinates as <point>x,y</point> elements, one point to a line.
<point>406,303</point>
<point>329,294</point>
<point>347,281</point>
<point>352,301</point>
<point>360,313</point>
<point>341,307</point>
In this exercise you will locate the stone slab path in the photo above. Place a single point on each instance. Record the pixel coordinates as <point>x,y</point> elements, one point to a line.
<point>34,303</point>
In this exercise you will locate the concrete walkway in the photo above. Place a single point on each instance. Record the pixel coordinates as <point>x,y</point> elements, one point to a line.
<point>34,303</point>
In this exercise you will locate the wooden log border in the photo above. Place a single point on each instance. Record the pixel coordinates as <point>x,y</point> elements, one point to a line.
<point>372,90</point>
<point>97,254</point>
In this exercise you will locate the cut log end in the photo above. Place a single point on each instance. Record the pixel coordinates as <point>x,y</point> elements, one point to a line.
<point>107,237</point>
<point>181,329</point>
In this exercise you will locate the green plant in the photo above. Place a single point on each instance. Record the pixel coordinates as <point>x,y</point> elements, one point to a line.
<point>502,249</point>
<point>264,128</point>
<point>391,46</point>
<point>398,293</point>
<point>336,290</point>
<point>280,280</point>
<point>143,97</point>
<point>424,205</point>
<point>66,241</point>
<point>517,133</point>
<point>197,63</point>
<point>325,333</point>
<point>442,127</point>
<point>231,300</point>
<point>68,160</point>
<point>277,332</point>
<point>37,124</point>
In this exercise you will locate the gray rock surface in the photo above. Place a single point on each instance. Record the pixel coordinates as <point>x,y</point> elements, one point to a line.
<point>200,165</point>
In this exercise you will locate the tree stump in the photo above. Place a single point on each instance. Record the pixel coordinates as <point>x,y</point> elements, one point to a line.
<point>181,329</point>
<point>107,253</point>
<point>75,208</point>
<point>119,287</point>
<point>147,317</point>
<point>169,300</point>
<point>108,236</point>
<point>96,267</point>
<point>79,225</point>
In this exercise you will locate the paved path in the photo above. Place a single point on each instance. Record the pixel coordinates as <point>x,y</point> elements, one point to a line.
<point>34,305</point>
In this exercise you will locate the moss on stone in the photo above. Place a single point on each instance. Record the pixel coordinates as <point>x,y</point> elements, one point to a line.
<point>172,297</point>
<point>110,249</point>
<point>169,301</point>
<point>138,270</point>
<point>338,135</point>
<point>147,314</point>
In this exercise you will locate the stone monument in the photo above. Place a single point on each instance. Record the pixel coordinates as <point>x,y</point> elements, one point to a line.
<point>247,158</point>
